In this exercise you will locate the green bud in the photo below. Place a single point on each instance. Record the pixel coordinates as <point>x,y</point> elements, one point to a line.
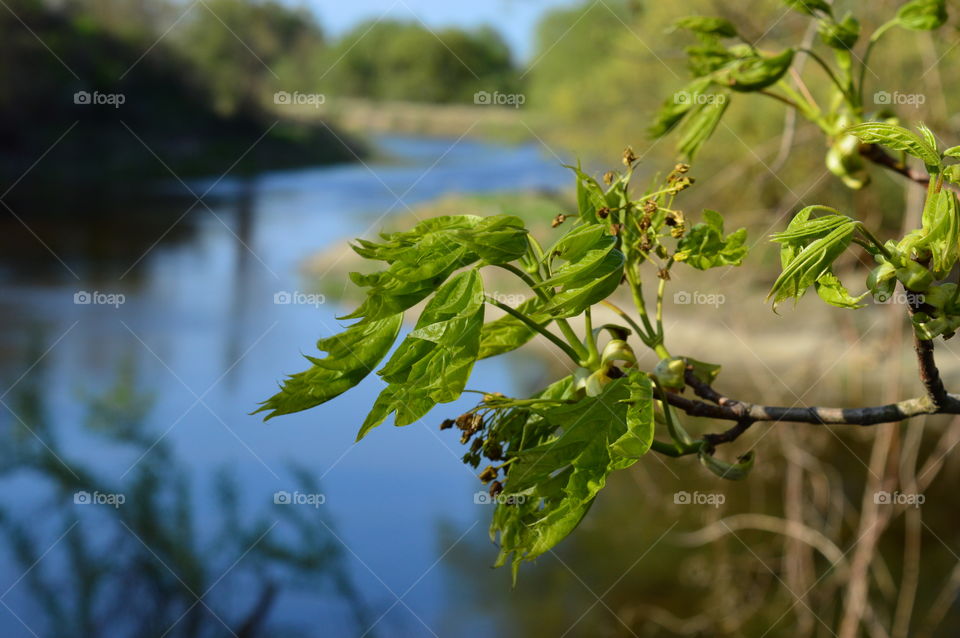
<point>669,372</point>
<point>914,277</point>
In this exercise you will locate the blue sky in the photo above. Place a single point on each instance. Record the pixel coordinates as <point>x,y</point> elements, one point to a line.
<point>515,19</point>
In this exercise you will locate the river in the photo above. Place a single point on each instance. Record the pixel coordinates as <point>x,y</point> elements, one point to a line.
<point>142,353</point>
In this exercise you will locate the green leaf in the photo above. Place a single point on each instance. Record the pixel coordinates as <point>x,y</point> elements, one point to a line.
<point>421,259</point>
<point>755,72</point>
<point>923,15</point>
<point>882,281</point>
<point>509,333</point>
<point>841,35</point>
<point>589,287</point>
<point>704,246</point>
<point>730,471</point>
<point>434,361</point>
<point>809,7</point>
<point>351,356</point>
<point>677,106</point>
<point>831,290</point>
<point>557,480</point>
<point>638,438</point>
<point>802,230</point>
<point>706,372</point>
<point>941,228</point>
<point>953,151</point>
<point>896,138</point>
<point>812,262</point>
<point>720,27</point>
<point>590,196</point>
<point>576,242</point>
<point>700,126</point>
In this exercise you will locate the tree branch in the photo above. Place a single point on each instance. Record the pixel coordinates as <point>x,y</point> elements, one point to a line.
<point>880,157</point>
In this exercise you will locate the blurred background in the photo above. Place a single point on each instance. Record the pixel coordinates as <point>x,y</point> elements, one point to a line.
<point>178,181</point>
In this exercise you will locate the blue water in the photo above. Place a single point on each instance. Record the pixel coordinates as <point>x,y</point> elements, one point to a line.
<point>206,342</point>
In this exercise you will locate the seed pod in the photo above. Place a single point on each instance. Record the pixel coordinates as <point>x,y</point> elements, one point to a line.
<point>447,424</point>
<point>495,488</point>
<point>488,474</point>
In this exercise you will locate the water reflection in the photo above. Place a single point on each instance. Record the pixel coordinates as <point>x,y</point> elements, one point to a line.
<point>151,555</point>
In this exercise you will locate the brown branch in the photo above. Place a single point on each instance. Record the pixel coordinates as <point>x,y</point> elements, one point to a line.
<point>880,157</point>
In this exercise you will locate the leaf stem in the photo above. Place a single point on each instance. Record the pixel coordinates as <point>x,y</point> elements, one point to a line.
<point>563,324</point>
<point>593,356</point>
<point>560,343</point>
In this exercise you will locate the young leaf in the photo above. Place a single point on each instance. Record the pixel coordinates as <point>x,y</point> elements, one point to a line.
<point>923,15</point>
<point>720,27</point>
<point>809,7</point>
<point>351,356</point>
<point>699,127</point>
<point>509,333</point>
<point>677,106</point>
<point>811,263</point>
<point>590,196</point>
<point>434,361</point>
<point>834,293</point>
<point>896,138</point>
<point>638,438</point>
<point>422,259</point>
<point>941,227</point>
<point>841,35</point>
<point>589,287</point>
<point>558,479</point>
<point>730,471</point>
<point>704,246</point>
<point>953,151</point>
<point>755,72</point>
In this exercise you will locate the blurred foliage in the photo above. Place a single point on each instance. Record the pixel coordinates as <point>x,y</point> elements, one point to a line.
<point>392,60</point>
<point>602,70</point>
<point>167,121</point>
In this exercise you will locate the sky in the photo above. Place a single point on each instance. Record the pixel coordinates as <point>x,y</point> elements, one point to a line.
<point>514,19</point>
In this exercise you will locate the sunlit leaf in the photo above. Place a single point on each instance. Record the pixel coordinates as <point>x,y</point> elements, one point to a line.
<point>896,138</point>
<point>704,246</point>
<point>812,262</point>
<point>351,356</point>
<point>434,361</point>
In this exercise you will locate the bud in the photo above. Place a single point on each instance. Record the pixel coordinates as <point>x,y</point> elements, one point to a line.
<point>447,424</point>
<point>629,157</point>
<point>495,488</point>
<point>559,219</point>
<point>608,177</point>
